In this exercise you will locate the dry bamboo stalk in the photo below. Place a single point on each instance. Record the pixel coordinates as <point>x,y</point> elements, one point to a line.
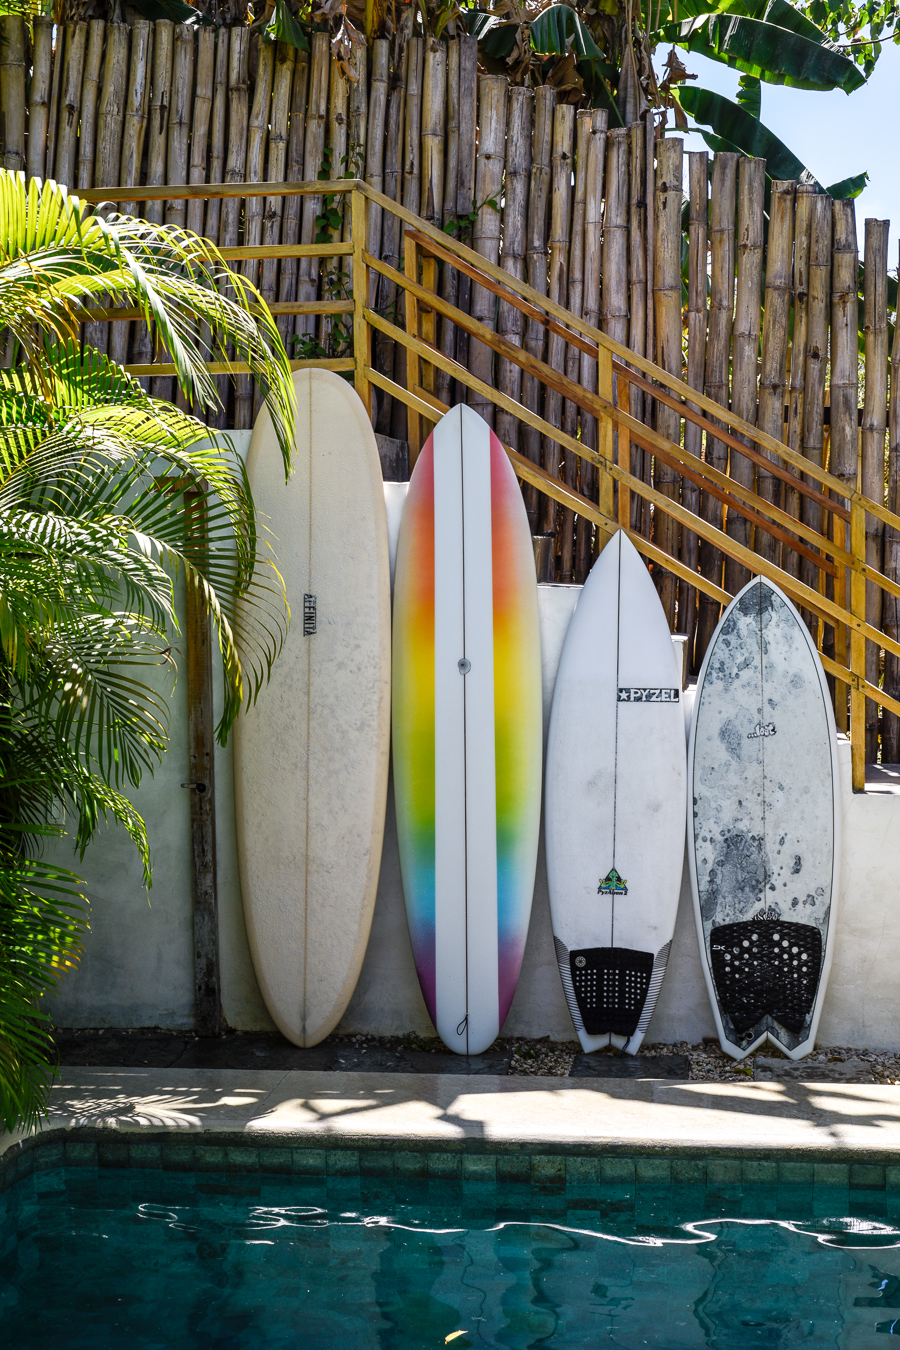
<point>751,196</point>
<point>412,191</point>
<point>593,234</point>
<point>98,161</point>
<point>667,297</point>
<point>776,327</point>
<point>650,197</point>
<point>434,109</point>
<point>614,318</point>
<point>136,110</point>
<point>511,321</point>
<point>257,134</point>
<point>637,325</point>
<point>12,91</point>
<point>177,157</point>
<point>358,120</point>
<point>874,426</point>
<point>111,112</point>
<point>203,101</point>
<point>338,119</point>
<point>39,95</point>
<point>465,184</point>
<point>279,137</point>
<point>314,146</point>
<point>160,99</point>
<point>698,237</point>
<point>575,303</point>
<point>536,266</point>
<point>70,103</point>
<point>449,275</point>
<point>136,97</point>
<point>59,56</point>
<point>799,339</point>
<point>235,169</point>
<point>89,92</point>
<point>813,430</point>
<point>890,723</point>
<point>844,349</point>
<point>381,55</point>
<point>390,225</point>
<point>562,157</point>
<point>290,220</point>
<point>492,99</point>
<point>718,353</point>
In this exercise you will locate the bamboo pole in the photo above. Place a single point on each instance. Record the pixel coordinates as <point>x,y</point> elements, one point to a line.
<point>667,297</point>
<point>536,265</point>
<point>202,113</point>
<point>276,167</point>
<point>591,300</point>
<point>59,56</point>
<point>637,286</point>
<point>235,168</point>
<point>718,353</point>
<point>812,441</point>
<point>890,722</point>
<point>70,103</point>
<point>573,356</point>
<point>390,226</point>
<point>290,221</point>
<point>338,119</point>
<point>493,92</point>
<point>449,281</point>
<point>39,95</point>
<point>254,207</point>
<point>617,279</point>
<point>872,439</point>
<point>843,392</point>
<point>511,321</point>
<point>357,123</point>
<point>775,332</point>
<point>650,139</point>
<point>160,100</point>
<point>375,146</point>
<point>13,38</point>
<point>751,197</point>
<point>791,559</point>
<point>136,96</point>
<point>107,162</point>
<point>698,239</point>
<point>412,194</point>
<point>558,285</point>
<point>89,91</point>
<point>180,119</point>
<point>314,146</point>
<point>434,110</point>
<point>465,185</point>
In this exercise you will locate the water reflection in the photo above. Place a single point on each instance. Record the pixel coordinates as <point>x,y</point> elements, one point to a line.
<point>96,1261</point>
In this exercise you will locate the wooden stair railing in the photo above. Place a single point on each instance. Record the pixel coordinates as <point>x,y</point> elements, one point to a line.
<point>838,552</point>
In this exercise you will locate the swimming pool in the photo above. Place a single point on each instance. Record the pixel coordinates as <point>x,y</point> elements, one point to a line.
<point>229,1247</point>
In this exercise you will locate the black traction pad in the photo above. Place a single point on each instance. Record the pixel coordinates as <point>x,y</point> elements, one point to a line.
<point>611,985</point>
<point>766,967</point>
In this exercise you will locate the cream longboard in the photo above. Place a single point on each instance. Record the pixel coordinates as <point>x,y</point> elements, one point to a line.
<point>614,801</point>
<point>311,757</point>
<point>764,824</point>
<point>467,727</point>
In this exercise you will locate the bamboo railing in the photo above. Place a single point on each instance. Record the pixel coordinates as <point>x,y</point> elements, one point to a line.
<point>825,570</point>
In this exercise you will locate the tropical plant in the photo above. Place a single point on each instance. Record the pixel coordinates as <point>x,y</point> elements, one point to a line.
<point>105,495</point>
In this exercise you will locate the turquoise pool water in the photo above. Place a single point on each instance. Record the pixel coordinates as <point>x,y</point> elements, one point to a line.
<point>100,1258</point>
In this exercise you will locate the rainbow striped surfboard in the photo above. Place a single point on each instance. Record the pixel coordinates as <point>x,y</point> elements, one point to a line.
<point>466,727</point>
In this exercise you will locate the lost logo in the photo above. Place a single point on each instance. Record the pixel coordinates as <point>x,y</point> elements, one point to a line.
<point>761,729</point>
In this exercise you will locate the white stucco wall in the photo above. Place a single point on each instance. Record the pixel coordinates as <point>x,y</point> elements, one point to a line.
<point>137,965</point>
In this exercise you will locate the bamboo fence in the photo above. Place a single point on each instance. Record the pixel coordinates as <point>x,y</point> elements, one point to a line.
<point>757,296</point>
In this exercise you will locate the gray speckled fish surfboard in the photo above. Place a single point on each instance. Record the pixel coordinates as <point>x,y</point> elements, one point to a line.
<point>764,824</point>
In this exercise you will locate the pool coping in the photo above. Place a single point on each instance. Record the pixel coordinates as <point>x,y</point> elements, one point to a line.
<point>458,1127</point>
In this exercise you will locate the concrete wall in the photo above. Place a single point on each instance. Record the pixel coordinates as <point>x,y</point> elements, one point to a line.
<point>137,967</point>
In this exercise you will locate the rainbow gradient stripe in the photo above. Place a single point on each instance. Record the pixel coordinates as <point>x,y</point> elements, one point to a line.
<point>517,716</point>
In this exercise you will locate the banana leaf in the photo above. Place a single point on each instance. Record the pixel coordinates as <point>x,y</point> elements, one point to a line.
<point>731,127</point>
<point>770,53</point>
<point>558,30</point>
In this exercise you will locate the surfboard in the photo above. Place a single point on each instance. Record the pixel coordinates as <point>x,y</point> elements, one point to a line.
<point>764,824</point>
<point>312,755</point>
<point>466,727</point>
<point>615,801</point>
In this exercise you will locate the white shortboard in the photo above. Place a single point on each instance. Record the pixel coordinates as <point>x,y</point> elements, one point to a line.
<point>466,727</point>
<point>764,824</point>
<point>615,801</point>
<point>312,755</point>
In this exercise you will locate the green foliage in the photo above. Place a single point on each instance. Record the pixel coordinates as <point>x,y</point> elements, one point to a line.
<point>107,494</point>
